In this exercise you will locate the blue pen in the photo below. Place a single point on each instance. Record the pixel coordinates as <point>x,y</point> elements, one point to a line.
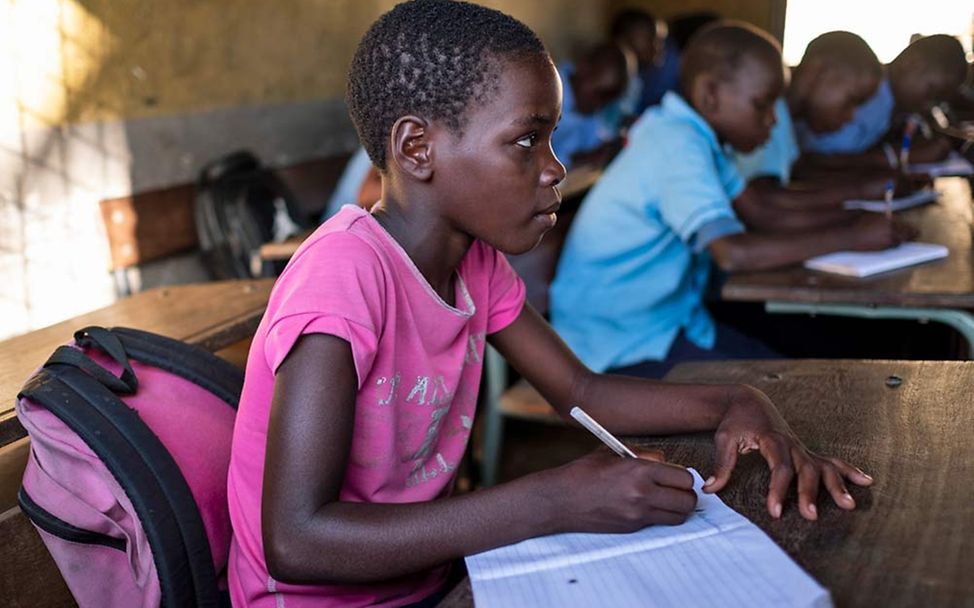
<point>905,147</point>
<point>890,187</point>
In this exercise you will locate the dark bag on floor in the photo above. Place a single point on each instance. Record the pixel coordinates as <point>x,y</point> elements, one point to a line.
<point>126,479</point>
<point>240,206</point>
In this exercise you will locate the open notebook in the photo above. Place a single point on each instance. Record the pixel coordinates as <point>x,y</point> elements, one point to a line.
<point>953,165</point>
<point>865,263</point>
<point>919,197</point>
<point>717,558</point>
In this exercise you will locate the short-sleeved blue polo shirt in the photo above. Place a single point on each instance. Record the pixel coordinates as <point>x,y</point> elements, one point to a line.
<point>867,127</point>
<point>579,132</point>
<point>777,155</point>
<point>634,266</point>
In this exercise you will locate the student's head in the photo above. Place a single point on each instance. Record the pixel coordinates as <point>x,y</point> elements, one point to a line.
<point>683,26</point>
<point>455,104</point>
<point>837,73</point>
<point>640,32</point>
<point>732,73</point>
<point>601,75</point>
<point>928,71</point>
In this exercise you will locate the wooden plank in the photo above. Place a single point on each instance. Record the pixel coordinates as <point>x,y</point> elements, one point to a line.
<point>211,315</point>
<point>149,225</point>
<point>28,576</point>
<point>947,283</point>
<point>909,541</point>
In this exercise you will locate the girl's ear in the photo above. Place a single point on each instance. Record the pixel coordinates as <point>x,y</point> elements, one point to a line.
<point>412,147</point>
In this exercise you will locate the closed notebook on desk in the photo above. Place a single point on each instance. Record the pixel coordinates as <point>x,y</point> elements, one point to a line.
<point>866,263</point>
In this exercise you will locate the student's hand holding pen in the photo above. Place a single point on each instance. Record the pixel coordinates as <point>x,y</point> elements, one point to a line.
<point>875,231</point>
<point>752,423</point>
<point>601,492</point>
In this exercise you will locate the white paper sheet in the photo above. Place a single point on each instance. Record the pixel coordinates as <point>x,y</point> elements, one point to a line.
<point>919,197</point>
<point>717,558</point>
<point>953,165</point>
<point>866,263</point>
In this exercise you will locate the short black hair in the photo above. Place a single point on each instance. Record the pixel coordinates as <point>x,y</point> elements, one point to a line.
<point>429,58</point>
<point>721,47</point>
<point>939,52</point>
<point>843,49</point>
<point>627,20</point>
<point>682,27</point>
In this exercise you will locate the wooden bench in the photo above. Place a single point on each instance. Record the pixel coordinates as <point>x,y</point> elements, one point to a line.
<point>152,226</point>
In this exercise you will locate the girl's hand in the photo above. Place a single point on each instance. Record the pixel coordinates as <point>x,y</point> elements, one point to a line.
<point>602,492</point>
<point>753,423</point>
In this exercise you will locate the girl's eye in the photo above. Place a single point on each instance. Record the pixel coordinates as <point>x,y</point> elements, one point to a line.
<point>527,141</point>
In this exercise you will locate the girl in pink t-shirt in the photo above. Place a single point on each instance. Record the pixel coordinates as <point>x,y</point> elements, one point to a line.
<point>362,379</point>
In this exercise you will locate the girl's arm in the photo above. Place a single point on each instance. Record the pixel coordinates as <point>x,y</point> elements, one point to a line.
<point>742,416</point>
<point>310,536</point>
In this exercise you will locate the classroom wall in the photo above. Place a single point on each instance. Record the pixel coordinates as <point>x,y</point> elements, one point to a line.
<point>101,98</point>
<point>766,14</point>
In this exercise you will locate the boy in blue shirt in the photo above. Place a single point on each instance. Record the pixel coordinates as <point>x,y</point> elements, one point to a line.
<point>838,72</point>
<point>628,293</point>
<point>589,130</point>
<point>928,71</point>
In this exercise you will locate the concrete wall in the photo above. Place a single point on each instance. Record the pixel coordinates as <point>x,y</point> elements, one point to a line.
<point>101,98</point>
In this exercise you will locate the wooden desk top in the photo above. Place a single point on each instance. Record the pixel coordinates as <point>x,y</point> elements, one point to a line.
<point>211,315</point>
<point>909,542</point>
<point>947,283</point>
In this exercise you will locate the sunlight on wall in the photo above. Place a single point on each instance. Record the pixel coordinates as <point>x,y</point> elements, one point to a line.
<point>886,26</point>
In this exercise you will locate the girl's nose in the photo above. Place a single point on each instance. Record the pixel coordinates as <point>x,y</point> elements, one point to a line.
<point>554,173</point>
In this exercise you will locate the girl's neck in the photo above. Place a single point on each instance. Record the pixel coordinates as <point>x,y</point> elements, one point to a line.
<point>434,247</point>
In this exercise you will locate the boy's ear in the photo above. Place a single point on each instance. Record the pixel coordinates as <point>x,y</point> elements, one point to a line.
<point>412,149</point>
<point>704,94</point>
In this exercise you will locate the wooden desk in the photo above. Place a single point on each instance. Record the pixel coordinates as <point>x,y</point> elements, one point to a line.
<point>909,542</point>
<point>211,315</point>
<point>940,291</point>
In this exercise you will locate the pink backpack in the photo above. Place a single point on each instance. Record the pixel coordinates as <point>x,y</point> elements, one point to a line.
<point>126,480</point>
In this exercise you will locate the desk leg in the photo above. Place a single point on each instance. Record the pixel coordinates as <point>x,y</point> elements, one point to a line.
<point>961,320</point>
<point>495,371</point>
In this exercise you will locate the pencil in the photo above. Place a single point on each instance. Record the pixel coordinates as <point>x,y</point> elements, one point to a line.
<point>599,431</point>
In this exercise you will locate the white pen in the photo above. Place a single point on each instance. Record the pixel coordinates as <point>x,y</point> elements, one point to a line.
<point>596,429</point>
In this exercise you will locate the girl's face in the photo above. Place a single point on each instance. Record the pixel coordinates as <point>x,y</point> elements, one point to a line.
<point>497,179</point>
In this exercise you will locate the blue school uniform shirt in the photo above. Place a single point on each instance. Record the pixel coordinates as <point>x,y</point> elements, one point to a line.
<point>660,79</point>
<point>579,132</point>
<point>870,122</point>
<point>777,155</point>
<point>634,266</point>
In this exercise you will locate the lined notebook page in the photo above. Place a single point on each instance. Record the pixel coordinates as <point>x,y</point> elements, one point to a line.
<point>717,558</point>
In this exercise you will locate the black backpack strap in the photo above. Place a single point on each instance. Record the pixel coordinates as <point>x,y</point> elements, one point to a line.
<point>147,473</point>
<point>193,363</point>
<point>66,355</point>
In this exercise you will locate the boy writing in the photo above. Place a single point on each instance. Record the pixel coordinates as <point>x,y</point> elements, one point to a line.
<point>628,291</point>
<point>928,71</point>
<point>838,72</point>
<point>362,378</point>
<point>589,131</point>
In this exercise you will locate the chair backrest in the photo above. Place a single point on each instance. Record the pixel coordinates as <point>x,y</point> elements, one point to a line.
<point>126,480</point>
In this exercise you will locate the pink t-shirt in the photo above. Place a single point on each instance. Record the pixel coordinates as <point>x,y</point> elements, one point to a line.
<point>418,362</point>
